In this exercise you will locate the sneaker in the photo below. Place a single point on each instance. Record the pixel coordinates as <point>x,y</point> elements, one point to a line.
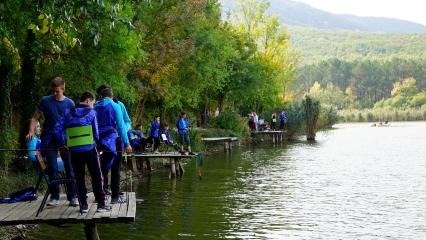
<point>107,192</point>
<point>104,208</point>
<point>156,152</point>
<point>53,202</point>
<point>116,200</point>
<point>74,202</point>
<point>191,153</point>
<point>85,208</point>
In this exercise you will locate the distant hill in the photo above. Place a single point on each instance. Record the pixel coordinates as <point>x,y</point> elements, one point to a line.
<point>301,14</point>
<point>315,45</point>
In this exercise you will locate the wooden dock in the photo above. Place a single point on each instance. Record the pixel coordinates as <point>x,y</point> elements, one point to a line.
<point>25,213</point>
<point>227,141</point>
<point>174,158</point>
<point>277,136</point>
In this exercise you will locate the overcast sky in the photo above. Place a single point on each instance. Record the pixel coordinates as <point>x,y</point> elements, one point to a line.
<point>412,10</point>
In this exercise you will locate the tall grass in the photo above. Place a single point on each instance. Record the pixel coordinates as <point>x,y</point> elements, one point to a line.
<point>384,114</point>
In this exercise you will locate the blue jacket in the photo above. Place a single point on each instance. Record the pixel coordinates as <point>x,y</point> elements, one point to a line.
<point>82,115</point>
<point>153,131</point>
<point>33,144</point>
<point>283,117</point>
<point>165,132</point>
<point>110,123</point>
<point>135,134</point>
<point>182,125</point>
<point>126,116</point>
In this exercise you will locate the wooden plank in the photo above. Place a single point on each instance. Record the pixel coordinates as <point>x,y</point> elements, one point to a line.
<point>20,211</point>
<point>10,209</point>
<point>31,211</point>
<point>123,210</point>
<point>131,211</point>
<point>115,210</point>
<point>219,139</point>
<point>25,213</point>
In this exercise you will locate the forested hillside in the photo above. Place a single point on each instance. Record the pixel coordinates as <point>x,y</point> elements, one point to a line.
<point>301,14</point>
<point>315,45</point>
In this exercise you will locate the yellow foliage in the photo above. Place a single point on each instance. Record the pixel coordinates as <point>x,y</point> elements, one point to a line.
<point>316,88</point>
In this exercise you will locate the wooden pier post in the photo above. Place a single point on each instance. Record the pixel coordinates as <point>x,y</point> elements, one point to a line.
<point>134,165</point>
<point>91,231</point>
<point>172,167</point>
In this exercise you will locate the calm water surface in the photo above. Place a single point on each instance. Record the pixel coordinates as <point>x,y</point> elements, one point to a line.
<point>355,182</point>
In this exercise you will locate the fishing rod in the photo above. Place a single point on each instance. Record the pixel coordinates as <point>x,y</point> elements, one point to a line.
<point>45,149</point>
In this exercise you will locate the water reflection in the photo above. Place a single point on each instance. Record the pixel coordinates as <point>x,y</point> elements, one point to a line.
<point>356,182</point>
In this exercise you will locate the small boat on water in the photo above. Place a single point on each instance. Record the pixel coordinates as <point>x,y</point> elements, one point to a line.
<point>381,124</point>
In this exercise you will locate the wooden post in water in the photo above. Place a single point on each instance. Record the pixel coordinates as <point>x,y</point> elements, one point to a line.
<point>91,231</point>
<point>172,167</point>
<point>134,165</point>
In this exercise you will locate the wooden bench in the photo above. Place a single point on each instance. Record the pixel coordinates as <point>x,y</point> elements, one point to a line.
<point>25,213</point>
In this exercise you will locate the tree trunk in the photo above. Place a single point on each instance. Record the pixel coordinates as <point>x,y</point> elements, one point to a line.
<point>29,95</point>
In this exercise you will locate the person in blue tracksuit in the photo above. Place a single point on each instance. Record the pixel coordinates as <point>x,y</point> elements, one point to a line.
<point>53,109</point>
<point>166,138</point>
<point>154,136</point>
<point>34,144</point>
<point>137,139</point>
<point>283,119</point>
<point>183,131</point>
<point>112,129</point>
<point>84,152</point>
<point>127,121</point>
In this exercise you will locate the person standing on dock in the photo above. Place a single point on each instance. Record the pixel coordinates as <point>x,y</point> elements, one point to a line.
<point>154,134</point>
<point>81,131</point>
<point>111,127</point>
<point>183,131</point>
<point>283,119</point>
<point>120,144</point>
<point>53,108</point>
<point>274,121</point>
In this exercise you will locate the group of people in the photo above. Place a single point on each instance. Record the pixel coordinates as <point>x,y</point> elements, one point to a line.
<point>156,137</point>
<point>261,124</point>
<point>93,134</point>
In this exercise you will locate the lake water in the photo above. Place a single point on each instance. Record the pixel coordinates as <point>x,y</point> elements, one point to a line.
<point>354,182</point>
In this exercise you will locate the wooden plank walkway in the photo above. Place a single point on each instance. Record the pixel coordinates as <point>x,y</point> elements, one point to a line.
<point>25,212</point>
<point>220,139</point>
<point>227,141</point>
<point>277,136</point>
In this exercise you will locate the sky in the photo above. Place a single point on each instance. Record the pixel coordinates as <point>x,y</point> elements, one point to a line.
<point>411,10</point>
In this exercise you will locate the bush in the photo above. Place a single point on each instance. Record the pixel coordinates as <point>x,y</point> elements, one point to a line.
<point>9,139</point>
<point>328,117</point>
<point>295,119</point>
<point>312,109</point>
<point>230,121</point>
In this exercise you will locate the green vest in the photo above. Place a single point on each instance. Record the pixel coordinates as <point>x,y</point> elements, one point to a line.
<point>79,136</point>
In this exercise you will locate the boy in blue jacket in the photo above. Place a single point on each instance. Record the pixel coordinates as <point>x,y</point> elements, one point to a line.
<point>112,130</point>
<point>154,133</point>
<point>183,131</point>
<point>81,128</point>
<point>53,108</point>
<point>166,138</point>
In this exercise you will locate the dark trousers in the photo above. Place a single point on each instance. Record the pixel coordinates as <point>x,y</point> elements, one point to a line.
<point>282,123</point>
<point>79,161</point>
<point>139,145</point>
<point>52,170</point>
<point>106,158</point>
<point>156,141</point>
